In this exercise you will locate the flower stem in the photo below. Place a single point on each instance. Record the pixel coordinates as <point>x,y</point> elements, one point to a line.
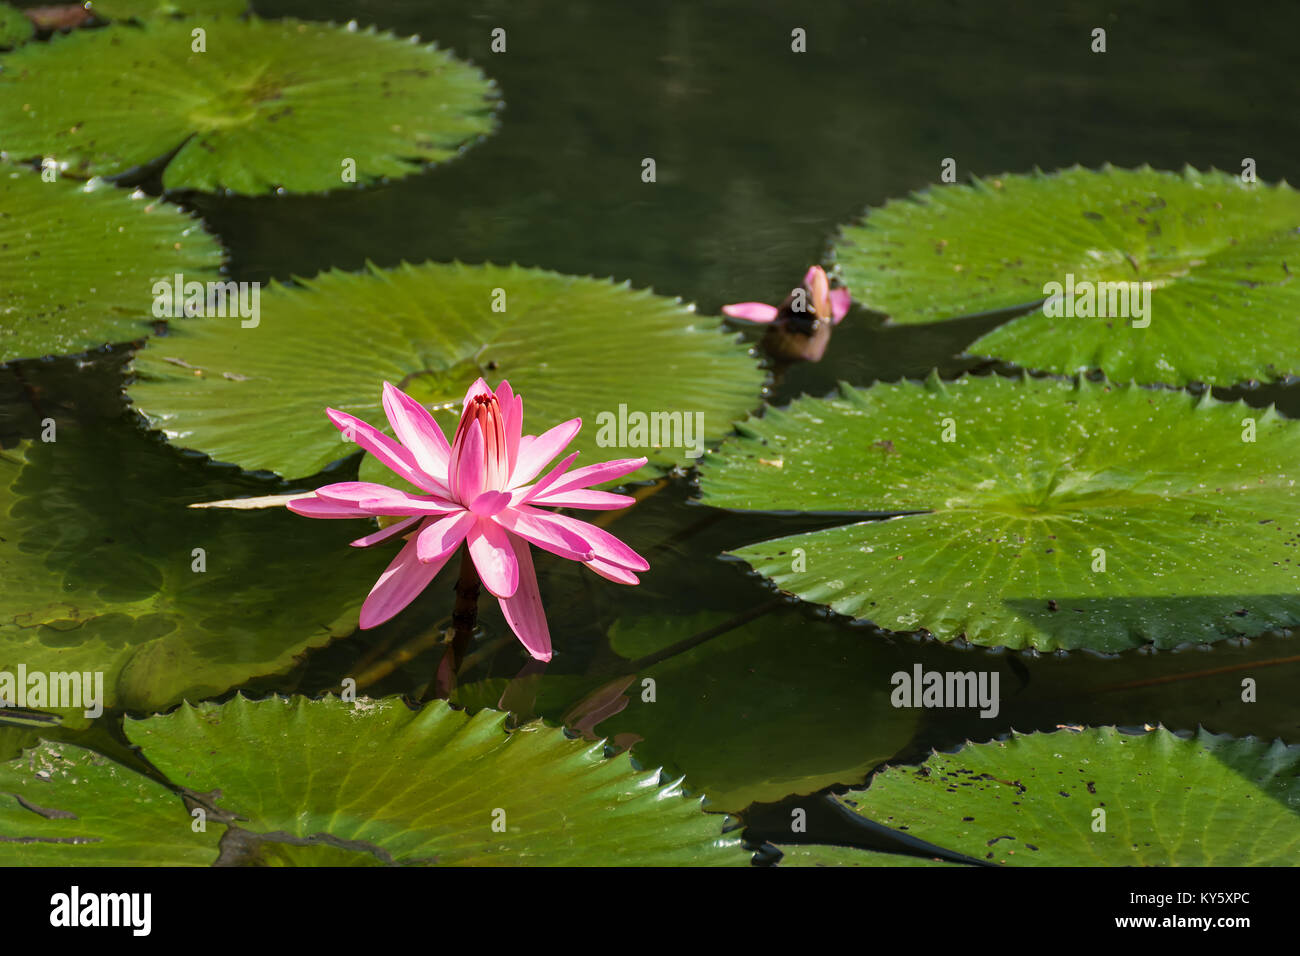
<point>464,617</point>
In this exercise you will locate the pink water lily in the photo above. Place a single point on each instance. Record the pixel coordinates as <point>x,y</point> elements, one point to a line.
<point>824,302</point>
<point>480,490</point>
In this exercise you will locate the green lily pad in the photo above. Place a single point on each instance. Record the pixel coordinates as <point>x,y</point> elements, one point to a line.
<point>735,714</point>
<point>15,739</point>
<point>1042,799</point>
<point>1219,255</point>
<point>155,9</point>
<point>427,787</point>
<point>103,576</point>
<point>15,28</point>
<point>78,263</point>
<point>62,805</point>
<point>818,855</point>
<point>273,853</point>
<point>1060,515</point>
<point>267,105</point>
<point>571,346</point>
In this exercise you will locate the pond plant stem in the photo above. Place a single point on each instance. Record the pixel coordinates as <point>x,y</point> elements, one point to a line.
<point>464,618</point>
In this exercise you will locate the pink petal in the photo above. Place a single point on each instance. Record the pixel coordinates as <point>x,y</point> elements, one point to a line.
<point>537,527</point>
<point>470,466</point>
<point>526,493</point>
<point>313,507</point>
<point>603,544</point>
<point>585,498</point>
<point>416,429</point>
<point>437,539</point>
<point>490,503</point>
<point>612,571</point>
<point>820,289</point>
<point>389,452</point>
<point>352,492</point>
<point>536,451</point>
<point>840,302</point>
<point>479,387</point>
<point>596,474</point>
<point>383,534</point>
<point>512,412</point>
<point>397,587</point>
<point>378,499</point>
<point>498,568</point>
<point>523,611</point>
<point>751,311</point>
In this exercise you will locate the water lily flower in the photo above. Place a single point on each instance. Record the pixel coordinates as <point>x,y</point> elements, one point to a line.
<point>481,489</point>
<point>802,334</point>
<point>826,303</point>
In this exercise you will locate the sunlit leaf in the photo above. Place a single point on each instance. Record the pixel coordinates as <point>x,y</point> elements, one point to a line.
<point>1029,513</point>
<point>1100,798</point>
<point>264,104</point>
<point>78,263</point>
<point>427,787</point>
<point>1219,254</point>
<point>573,347</point>
<point>62,805</point>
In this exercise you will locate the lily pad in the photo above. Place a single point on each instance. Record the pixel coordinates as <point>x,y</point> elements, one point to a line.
<point>78,263</point>
<point>265,105</point>
<point>276,853</point>
<point>571,346</point>
<point>427,787</point>
<point>1219,255</point>
<point>15,28</point>
<point>1058,515</point>
<point>116,577</point>
<point>1100,798</point>
<point>62,805</point>
<point>819,855</point>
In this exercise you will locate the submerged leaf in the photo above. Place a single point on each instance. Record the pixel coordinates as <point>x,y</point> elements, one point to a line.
<point>754,716</point>
<point>117,577</point>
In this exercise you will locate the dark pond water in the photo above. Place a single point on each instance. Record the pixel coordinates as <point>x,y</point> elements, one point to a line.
<point>761,155</point>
